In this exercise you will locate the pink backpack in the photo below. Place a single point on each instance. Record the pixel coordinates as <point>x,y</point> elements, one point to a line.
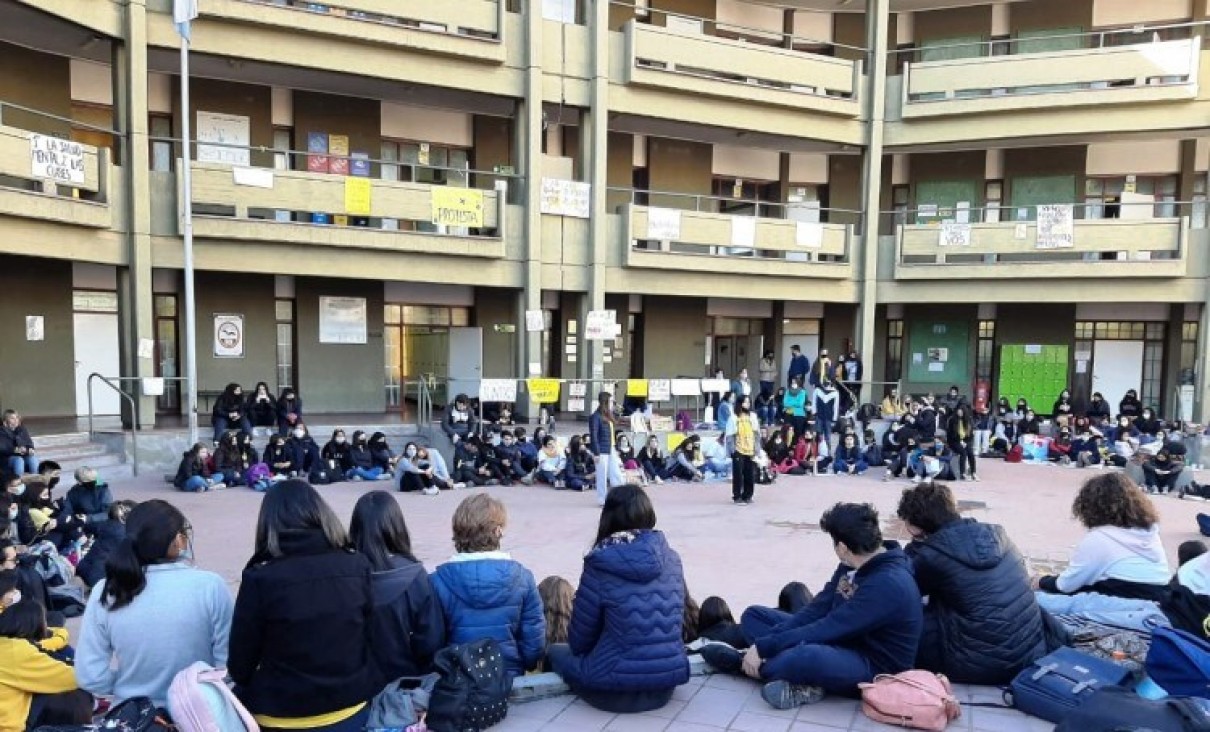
<point>200,701</point>
<point>914,699</point>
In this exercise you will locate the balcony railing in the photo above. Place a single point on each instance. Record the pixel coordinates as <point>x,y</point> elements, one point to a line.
<point>66,185</point>
<point>285,206</point>
<point>685,61</point>
<point>466,28</point>
<point>685,240</point>
<point>1145,72</point>
<point>1013,250</point>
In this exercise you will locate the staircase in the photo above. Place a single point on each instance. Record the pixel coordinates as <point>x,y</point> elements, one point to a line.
<point>73,450</point>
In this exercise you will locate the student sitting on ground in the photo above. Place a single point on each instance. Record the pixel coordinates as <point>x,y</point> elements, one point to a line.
<point>1086,447</point>
<point>281,459</point>
<point>194,474</point>
<point>417,473</point>
<point>552,464</point>
<point>716,623</point>
<point>652,461</point>
<point>580,474</point>
<point>466,462</point>
<point>336,454</point>
<point>229,460</point>
<point>866,621</point>
<point>981,624</point>
<point>625,651</point>
<point>35,688</point>
<point>1162,471</point>
<point>558,598</point>
<point>930,460</point>
<point>289,411</point>
<point>484,593</point>
<point>809,453</point>
<point>361,459</point>
<point>528,450</point>
<point>509,457</point>
<point>459,421</point>
<point>1121,555</point>
<point>849,460</point>
<point>781,455</point>
<point>1059,450</point>
<point>307,460</point>
<point>107,536</point>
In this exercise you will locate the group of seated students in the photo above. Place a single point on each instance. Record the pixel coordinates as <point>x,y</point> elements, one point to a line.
<point>956,600</point>
<point>235,410</point>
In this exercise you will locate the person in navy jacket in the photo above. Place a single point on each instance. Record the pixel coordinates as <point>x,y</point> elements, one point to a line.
<point>866,621</point>
<point>484,593</point>
<point>625,652</point>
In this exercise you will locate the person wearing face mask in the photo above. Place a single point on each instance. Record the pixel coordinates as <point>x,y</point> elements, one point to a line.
<point>416,475</point>
<point>229,460</point>
<point>1147,424</point>
<point>229,412</point>
<point>154,614</point>
<point>384,459</point>
<point>306,452</point>
<point>289,411</point>
<point>261,407</point>
<point>280,458</point>
<point>336,454</point>
<point>1063,408</point>
<point>508,456</point>
<point>1130,406</point>
<point>1123,442</point>
<point>1098,409</point>
<point>1029,425</point>
<point>195,474</point>
<point>362,459</point>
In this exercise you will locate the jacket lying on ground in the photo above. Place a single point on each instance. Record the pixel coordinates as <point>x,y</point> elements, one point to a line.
<point>626,621</point>
<point>488,595</point>
<point>988,625</point>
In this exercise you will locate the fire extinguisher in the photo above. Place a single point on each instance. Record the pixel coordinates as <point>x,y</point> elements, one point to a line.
<point>982,393</point>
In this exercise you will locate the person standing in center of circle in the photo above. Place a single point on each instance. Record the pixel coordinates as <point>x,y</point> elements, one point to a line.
<point>602,435</point>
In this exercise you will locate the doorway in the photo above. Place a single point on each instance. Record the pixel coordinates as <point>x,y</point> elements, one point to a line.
<point>416,340</point>
<point>801,332</point>
<point>97,349</point>
<point>166,353</point>
<point>1117,366</point>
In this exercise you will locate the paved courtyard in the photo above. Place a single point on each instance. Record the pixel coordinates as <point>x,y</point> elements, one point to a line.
<point>744,554</point>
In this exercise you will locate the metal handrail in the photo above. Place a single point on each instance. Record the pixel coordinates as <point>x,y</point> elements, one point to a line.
<point>57,118</point>
<point>1100,35</point>
<point>134,407</point>
<point>699,198</point>
<point>977,214</point>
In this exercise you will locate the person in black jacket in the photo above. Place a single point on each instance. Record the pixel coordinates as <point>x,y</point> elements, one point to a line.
<point>407,627</point>
<point>306,451</point>
<point>982,624</point>
<point>336,454</point>
<point>960,436</point>
<point>289,411</point>
<point>1098,409</point>
<point>300,636</point>
<point>107,535</point>
<point>261,407</point>
<point>229,412</point>
<point>1130,406</point>
<point>16,446</point>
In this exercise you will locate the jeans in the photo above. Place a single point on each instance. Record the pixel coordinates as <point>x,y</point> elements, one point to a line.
<point>222,424</point>
<point>932,468</point>
<point>560,659</point>
<point>609,474</point>
<point>982,441</point>
<point>18,464</point>
<point>547,477</point>
<point>364,473</point>
<point>1141,615</point>
<point>859,467</point>
<point>356,723</point>
<point>835,668</point>
<point>717,467</point>
<point>196,484</point>
<point>743,477</point>
<point>767,387</point>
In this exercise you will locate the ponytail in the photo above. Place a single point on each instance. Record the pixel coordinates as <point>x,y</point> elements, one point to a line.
<point>151,528</point>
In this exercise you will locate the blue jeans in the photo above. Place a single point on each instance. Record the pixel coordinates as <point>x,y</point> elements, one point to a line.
<point>222,424</point>
<point>835,668</point>
<point>766,387</point>
<point>1141,615</point>
<point>609,475</point>
<point>196,484</point>
<point>18,464</point>
<point>356,723</point>
<point>364,473</point>
<point>840,466</point>
<point>719,468</point>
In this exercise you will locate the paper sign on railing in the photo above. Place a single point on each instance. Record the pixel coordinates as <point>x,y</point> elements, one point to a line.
<point>954,235</point>
<point>543,391</point>
<point>743,232</point>
<point>686,387</point>
<point>809,234</point>
<point>577,389</point>
<point>56,159</point>
<point>1055,227</point>
<point>497,390</point>
<point>636,387</point>
<point>663,224</point>
<point>659,390</point>
<point>457,206</point>
<point>252,177</point>
<point>358,196</point>
<point>600,325</point>
<point>715,386</point>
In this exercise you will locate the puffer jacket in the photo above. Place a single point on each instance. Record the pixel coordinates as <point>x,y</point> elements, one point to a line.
<point>988,625</point>
<point>488,595</point>
<point>626,622</point>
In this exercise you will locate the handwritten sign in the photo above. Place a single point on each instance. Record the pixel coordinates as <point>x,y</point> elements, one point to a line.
<point>1055,227</point>
<point>954,234</point>
<point>566,198</point>
<point>636,387</point>
<point>686,387</point>
<point>600,325</point>
<point>457,207</point>
<point>357,196</point>
<point>659,390</point>
<point>542,391</point>
<point>58,160</point>
<point>535,321</point>
<point>497,390</point>
<point>663,224</point>
<point>231,134</point>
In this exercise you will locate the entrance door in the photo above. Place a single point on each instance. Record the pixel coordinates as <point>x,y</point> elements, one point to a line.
<point>97,351</point>
<point>1117,366</point>
<point>810,349</point>
<point>465,361</point>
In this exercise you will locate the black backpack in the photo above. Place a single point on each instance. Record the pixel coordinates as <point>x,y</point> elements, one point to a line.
<point>472,693</point>
<point>133,715</point>
<point>1117,709</point>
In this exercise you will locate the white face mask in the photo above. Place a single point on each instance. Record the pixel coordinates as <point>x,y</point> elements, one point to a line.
<point>340,440</point>
<point>12,513</point>
<point>18,490</point>
<point>300,434</point>
<point>12,598</point>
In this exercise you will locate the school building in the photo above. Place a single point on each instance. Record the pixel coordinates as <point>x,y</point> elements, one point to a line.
<point>1008,196</point>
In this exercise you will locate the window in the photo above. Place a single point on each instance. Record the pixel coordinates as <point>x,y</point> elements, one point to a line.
<point>1188,364</point>
<point>286,376</point>
<point>281,146</point>
<point>416,345</point>
<point>166,345</point>
<point>985,355</point>
<point>1151,333</point>
<point>161,143</point>
<point>894,350</point>
<point>1198,214</point>
<point>1103,196</point>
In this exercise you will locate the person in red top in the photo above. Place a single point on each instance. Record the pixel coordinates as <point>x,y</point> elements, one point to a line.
<point>1060,447</point>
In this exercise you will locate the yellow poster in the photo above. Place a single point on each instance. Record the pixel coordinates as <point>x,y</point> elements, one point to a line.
<point>636,387</point>
<point>338,144</point>
<point>673,440</point>
<point>457,207</point>
<point>357,196</point>
<point>543,391</point>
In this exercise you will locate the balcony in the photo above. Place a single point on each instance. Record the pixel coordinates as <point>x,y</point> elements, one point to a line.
<point>468,29</point>
<point>686,62</point>
<point>1101,248</point>
<point>80,196</point>
<point>319,209</point>
<point>1163,71</point>
<point>700,241</point>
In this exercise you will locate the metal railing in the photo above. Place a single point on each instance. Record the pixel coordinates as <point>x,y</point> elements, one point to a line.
<point>1006,213</point>
<point>75,124</point>
<point>705,203</point>
<point>130,399</point>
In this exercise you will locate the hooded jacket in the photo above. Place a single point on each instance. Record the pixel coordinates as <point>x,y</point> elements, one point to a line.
<point>488,595</point>
<point>1188,602</point>
<point>338,454</point>
<point>625,629</point>
<point>880,617</point>
<point>1115,561</point>
<point>987,624</point>
<point>406,627</point>
<point>359,452</point>
<point>380,451</point>
<point>92,499</point>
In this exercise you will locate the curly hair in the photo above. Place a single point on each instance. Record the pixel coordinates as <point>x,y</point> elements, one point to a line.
<point>1113,499</point>
<point>928,507</point>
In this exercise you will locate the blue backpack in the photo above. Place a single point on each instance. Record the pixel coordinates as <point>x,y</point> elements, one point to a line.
<point>1179,662</point>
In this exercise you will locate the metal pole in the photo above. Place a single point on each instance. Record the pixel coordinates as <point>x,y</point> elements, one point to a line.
<point>187,206</point>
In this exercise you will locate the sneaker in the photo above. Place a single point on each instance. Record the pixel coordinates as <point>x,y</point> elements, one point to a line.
<point>356,479</point>
<point>974,478</point>
<point>1203,524</point>
<point>887,478</point>
<point>527,480</point>
<point>218,487</point>
<point>659,481</point>
<point>784,695</point>
<point>385,476</point>
<point>723,658</point>
<point>748,502</point>
<point>736,502</point>
<point>431,491</point>
<point>459,486</point>
<point>560,485</point>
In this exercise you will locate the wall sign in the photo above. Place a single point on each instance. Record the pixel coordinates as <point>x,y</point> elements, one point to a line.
<point>342,320</point>
<point>231,131</point>
<point>228,335</point>
<point>56,159</point>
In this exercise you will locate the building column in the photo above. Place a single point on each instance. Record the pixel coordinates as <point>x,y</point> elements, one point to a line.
<point>530,127</point>
<point>595,126</point>
<point>1201,394</point>
<point>130,111</point>
<point>877,28</point>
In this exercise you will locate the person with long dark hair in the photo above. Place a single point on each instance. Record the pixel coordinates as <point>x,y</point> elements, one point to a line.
<point>229,412</point>
<point>960,435</point>
<point>261,406</point>
<point>743,437</point>
<point>154,613</point>
<point>602,433</point>
<point>406,628</point>
<point>299,654</point>
<point>36,689</point>
<point>625,650</point>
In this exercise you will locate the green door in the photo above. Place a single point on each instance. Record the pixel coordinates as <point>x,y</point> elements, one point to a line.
<point>1030,191</point>
<point>1036,372</point>
<point>938,200</point>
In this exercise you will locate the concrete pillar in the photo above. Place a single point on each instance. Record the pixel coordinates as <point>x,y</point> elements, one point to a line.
<point>130,111</point>
<point>877,26</point>
<point>529,124</point>
<point>1201,394</point>
<point>595,125</point>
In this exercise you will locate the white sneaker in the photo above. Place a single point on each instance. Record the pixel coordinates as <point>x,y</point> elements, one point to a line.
<point>431,491</point>
<point>386,476</point>
<point>459,486</point>
<point>356,479</point>
<point>218,486</point>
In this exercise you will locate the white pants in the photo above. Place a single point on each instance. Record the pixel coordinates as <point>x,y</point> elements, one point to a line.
<point>982,441</point>
<point>609,474</point>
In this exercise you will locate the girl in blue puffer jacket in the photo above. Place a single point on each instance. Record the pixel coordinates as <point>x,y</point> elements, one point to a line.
<point>625,653</point>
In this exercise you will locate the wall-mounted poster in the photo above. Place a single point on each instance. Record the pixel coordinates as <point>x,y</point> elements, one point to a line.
<point>231,133</point>
<point>228,335</point>
<point>342,320</point>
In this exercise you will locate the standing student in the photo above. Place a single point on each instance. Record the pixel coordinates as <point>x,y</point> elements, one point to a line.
<point>726,408</point>
<point>602,431</point>
<point>854,370</point>
<point>289,410</point>
<point>743,433</point>
<point>768,374</point>
<point>300,641</point>
<point>406,627</point>
<point>827,409</point>
<point>741,385</point>
<point>17,451</point>
<point>800,366</point>
<point>154,614</point>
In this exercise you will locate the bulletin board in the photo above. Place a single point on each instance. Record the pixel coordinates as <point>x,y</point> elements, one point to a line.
<point>938,352</point>
<point>1036,372</point>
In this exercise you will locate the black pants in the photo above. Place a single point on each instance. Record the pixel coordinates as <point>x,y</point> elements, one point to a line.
<point>964,458</point>
<point>743,477</point>
<point>70,707</point>
<point>415,482</point>
<point>1159,481</point>
<point>467,474</point>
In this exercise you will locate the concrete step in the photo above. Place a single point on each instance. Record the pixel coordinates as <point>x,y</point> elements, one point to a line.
<point>75,451</point>
<point>46,442</point>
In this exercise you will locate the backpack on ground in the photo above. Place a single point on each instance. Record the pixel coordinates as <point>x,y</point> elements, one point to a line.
<point>256,473</point>
<point>1015,454</point>
<point>199,700</point>
<point>471,693</point>
<point>1179,662</point>
<point>1059,682</point>
<point>1114,709</point>
<point>914,699</point>
<point>136,715</point>
<point>402,705</point>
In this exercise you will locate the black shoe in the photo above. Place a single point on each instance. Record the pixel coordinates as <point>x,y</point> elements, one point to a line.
<point>784,695</point>
<point>723,658</point>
